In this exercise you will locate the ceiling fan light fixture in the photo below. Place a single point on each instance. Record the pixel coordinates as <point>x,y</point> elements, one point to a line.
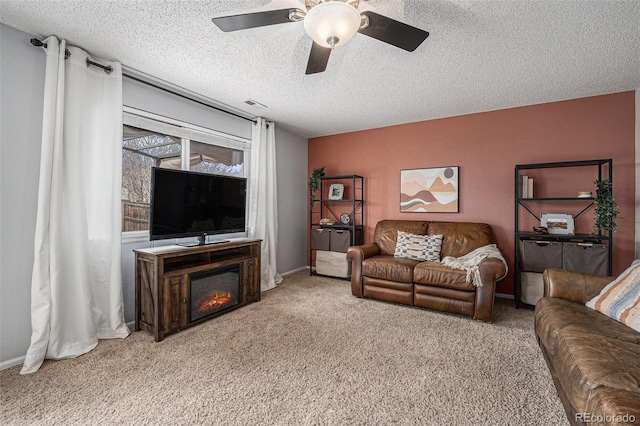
<point>332,23</point>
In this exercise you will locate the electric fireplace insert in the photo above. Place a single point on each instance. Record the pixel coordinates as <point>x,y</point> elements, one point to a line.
<point>214,291</point>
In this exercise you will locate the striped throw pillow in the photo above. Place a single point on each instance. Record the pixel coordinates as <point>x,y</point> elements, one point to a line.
<point>418,247</point>
<point>620,299</point>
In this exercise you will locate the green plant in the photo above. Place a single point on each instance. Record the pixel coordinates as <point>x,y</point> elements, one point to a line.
<point>606,208</point>
<point>314,183</point>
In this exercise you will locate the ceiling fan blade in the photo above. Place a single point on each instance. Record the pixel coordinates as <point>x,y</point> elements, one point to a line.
<point>253,20</point>
<point>318,59</point>
<point>393,32</point>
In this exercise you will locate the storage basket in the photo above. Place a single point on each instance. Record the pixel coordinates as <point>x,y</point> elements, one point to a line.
<point>340,240</point>
<point>531,287</point>
<point>320,239</point>
<point>332,263</point>
<point>586,257</point>
<point>537,255</point>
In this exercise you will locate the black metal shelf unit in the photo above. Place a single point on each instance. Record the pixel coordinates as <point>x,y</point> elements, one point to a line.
<point>333,209</point>
<point>605,171</point>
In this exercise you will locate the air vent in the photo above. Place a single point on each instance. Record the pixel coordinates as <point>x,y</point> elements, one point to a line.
<point>255,104</point>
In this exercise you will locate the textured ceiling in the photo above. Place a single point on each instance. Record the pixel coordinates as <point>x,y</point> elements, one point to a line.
<point>480,55</point>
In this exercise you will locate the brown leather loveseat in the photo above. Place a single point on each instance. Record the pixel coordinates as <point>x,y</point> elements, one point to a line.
<point>594,360</point>
<point>377,274</point>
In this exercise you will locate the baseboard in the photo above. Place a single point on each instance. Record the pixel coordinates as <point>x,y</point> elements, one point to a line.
<point>20,360</point>
<point>504,296</point>
<point>12,362</point>
<point>284,274</point>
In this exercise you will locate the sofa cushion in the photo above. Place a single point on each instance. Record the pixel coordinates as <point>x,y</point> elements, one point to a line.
<point>553,316</point>
<point>585,363</point>
<point>386,233</point>
<point>444,299</point>
<point>389,268</point>
<point>460,238</point>
<point>606,401</point>
<point>436,274</point>
<point>418,247</point>
<point>620,299</point>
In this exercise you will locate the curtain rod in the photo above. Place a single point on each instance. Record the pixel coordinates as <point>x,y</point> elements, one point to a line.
<point>107,68</point>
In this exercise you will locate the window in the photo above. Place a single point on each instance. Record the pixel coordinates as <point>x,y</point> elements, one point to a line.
<point>142,150</point>
<point>206,158</point>
<point>148,143</point>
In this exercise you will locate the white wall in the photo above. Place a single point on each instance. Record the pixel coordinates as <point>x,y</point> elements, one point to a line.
<point>21,94</point>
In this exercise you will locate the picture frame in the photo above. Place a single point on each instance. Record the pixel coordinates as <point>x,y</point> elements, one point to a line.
<point>558,224</point>
<point>335,191</point>
<point>430,190</point>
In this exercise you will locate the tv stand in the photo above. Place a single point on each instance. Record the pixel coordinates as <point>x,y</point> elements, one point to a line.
<point>164,275</point>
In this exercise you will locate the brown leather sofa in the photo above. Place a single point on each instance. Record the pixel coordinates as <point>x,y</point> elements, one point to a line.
<point>594,360</point>
<point>377,274</point>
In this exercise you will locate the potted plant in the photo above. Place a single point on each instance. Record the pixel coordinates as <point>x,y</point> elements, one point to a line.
<point>314,183</point>
<point>606,212</point>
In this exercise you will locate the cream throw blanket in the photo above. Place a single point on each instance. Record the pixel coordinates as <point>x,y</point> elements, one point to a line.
<point>469,262</point>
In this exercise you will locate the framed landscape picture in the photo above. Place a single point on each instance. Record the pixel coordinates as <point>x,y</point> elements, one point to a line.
<point>433,190</point>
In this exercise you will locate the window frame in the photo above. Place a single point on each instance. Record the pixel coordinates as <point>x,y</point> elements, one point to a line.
<point>187,132</point>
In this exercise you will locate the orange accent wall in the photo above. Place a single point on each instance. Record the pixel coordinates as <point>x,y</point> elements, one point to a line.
<point>486,147</point>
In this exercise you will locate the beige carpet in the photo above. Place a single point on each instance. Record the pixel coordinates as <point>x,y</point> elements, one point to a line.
<point>308,353</point>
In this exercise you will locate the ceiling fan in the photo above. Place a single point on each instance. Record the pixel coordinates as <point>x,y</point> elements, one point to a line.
<point>330,23</point>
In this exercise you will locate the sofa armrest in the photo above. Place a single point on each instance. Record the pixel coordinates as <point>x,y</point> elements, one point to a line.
<point>356,254</point>
<point>573,286</point>
<point>491,270</point>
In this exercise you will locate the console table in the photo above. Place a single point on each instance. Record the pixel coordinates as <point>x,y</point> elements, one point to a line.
<point>164,302</point>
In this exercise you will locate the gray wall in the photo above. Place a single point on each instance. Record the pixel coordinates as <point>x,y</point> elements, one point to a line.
<point>291,161</point>
<point>21,95</point>
<point>147,98</point>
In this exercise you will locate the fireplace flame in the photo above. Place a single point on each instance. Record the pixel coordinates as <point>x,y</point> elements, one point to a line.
<point>215,300</point>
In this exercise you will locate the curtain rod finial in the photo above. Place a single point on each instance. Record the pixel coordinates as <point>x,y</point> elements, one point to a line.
<point>38,43</point>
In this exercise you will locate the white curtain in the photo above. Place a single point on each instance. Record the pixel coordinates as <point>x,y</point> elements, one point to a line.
<point>76,288</point>
<point>263,220</point>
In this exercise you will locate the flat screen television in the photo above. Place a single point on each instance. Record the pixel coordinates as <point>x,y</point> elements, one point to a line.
<point>191,204</point>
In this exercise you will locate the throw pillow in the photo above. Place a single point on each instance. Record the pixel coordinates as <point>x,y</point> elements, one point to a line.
<point>418,247</point>
<point>620,299</point>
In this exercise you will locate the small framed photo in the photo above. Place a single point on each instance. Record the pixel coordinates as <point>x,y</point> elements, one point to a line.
<point>335,191</point>
<point>558,223</point>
